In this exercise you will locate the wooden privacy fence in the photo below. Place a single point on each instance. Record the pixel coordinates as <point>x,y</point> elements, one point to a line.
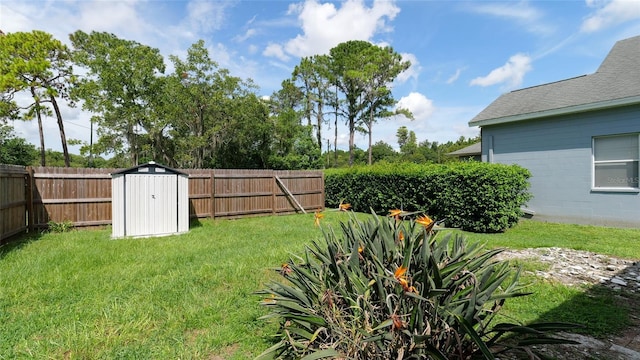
<point>31,197</point>
<point>13,200</point>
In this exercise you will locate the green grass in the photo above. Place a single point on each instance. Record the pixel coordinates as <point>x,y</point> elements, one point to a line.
<point>534,234</point>
<point>82,295</point>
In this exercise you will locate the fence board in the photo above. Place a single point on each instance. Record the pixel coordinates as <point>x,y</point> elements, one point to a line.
<point>200,193</point>
<point>13,200</point>
<point>31,197</point>
<point>79,195</point>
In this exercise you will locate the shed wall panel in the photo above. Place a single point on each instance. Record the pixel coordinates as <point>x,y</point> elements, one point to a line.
<point>151,204</point>
<point>183,204</point>
<point>117,206</point>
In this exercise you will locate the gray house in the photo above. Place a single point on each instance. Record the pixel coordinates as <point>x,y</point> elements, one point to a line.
<point>471,152</point>
<point>579,138</point>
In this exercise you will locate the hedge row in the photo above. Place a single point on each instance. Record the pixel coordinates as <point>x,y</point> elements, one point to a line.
<point>474,196</point>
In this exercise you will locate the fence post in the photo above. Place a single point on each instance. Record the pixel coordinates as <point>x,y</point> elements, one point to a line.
<point>323,192</point>
<point>29,198</point>
<point>274,188</point>
<point>213,193</point>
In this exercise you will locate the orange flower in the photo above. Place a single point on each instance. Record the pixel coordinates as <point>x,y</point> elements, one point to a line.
<point>400,235</point>
<point>398,324</point>
<point>360,249</point>
<point>317,216</point>
<point>344,207</point>
<point>424,221</point>
<point>395,213</point>
<point>400,272</point>
<point>285,269</point>
<point>401,276</point>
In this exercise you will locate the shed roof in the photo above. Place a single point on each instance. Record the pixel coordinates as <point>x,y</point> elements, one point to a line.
<point>615,83</point>
<point>474,149</point>
<point>150,168</point>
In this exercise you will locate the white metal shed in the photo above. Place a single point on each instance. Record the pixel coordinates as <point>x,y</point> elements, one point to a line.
<point>149,200</point>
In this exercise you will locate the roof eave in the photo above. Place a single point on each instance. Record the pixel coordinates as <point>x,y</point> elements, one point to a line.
<point>561,111</point>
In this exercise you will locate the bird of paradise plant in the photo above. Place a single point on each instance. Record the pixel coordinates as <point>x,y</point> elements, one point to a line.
<point>389,289</point>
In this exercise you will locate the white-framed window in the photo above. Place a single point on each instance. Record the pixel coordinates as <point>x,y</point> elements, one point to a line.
<point>615,162</point>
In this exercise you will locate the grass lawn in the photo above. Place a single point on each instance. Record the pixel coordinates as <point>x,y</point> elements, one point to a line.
<point>82,295</point>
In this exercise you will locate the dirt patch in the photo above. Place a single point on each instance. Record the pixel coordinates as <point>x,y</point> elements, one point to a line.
<point>225,353</point>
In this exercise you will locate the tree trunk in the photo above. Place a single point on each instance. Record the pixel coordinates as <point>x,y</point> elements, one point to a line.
<point>63,137</point>
<point>335,137</point>
<point>320,119</point>
<point>131,138</point>
<point>370,154</point>
<point>352,132</point>
<point>335,142</point>
<point>369,127</point>
<point>43,158</point>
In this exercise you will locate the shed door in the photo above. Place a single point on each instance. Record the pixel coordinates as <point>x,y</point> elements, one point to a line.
<point>151,204</point>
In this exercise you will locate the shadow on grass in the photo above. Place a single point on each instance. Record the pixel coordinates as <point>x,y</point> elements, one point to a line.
<point>194,223</point>
<point>604,309</point>
<point>608,313</point>
<point>17,242</point>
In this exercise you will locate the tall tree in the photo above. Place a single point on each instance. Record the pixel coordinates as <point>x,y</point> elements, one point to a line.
<point>312,75</point>
<point>245,140</point>
<point>36,63</point>
<point>383,67</point>
<point>211,114</point>
<point>362,71</point>
<point>347,72</point>
<point>201,84</point>
<point>293,146</point>
<point>407,141</point>
<point>120,87</point>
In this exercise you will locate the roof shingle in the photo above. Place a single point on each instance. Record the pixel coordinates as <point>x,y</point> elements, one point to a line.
<point>616,82</point>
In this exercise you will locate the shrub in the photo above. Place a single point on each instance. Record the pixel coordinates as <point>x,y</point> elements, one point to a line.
<point>390,289</point>
<point>59,227</point>
<point>474,196</point>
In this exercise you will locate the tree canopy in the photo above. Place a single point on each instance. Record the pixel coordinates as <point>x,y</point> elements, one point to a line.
<point>120,88</point>
<point>15,150</point>
<point>35,63</point>
<point>199,115</point>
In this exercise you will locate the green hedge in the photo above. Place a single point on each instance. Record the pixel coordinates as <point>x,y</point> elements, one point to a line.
<point>474,196</point>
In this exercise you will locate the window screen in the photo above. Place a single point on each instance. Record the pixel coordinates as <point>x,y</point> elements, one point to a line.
<point>615,161</point>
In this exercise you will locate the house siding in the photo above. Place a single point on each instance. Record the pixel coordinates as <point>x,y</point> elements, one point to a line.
<point>558,153</point>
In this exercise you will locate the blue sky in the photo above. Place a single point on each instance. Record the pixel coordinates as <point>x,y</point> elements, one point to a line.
<point>464,54</point>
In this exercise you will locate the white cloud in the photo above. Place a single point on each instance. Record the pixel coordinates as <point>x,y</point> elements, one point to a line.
<point>466,131</point>
<point>206,16</point>
<point>249,33</point>
<point>275,50</point>
<point>514,10</point>
<point>609,13</point>
<point>521,12</point>
<point>324,26</point>
<point>413,71</point>
<point>420,106</point>
<point>510,73</point>
<point>453,78</point>
<point>17,16</point>
<point>110,16</point>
